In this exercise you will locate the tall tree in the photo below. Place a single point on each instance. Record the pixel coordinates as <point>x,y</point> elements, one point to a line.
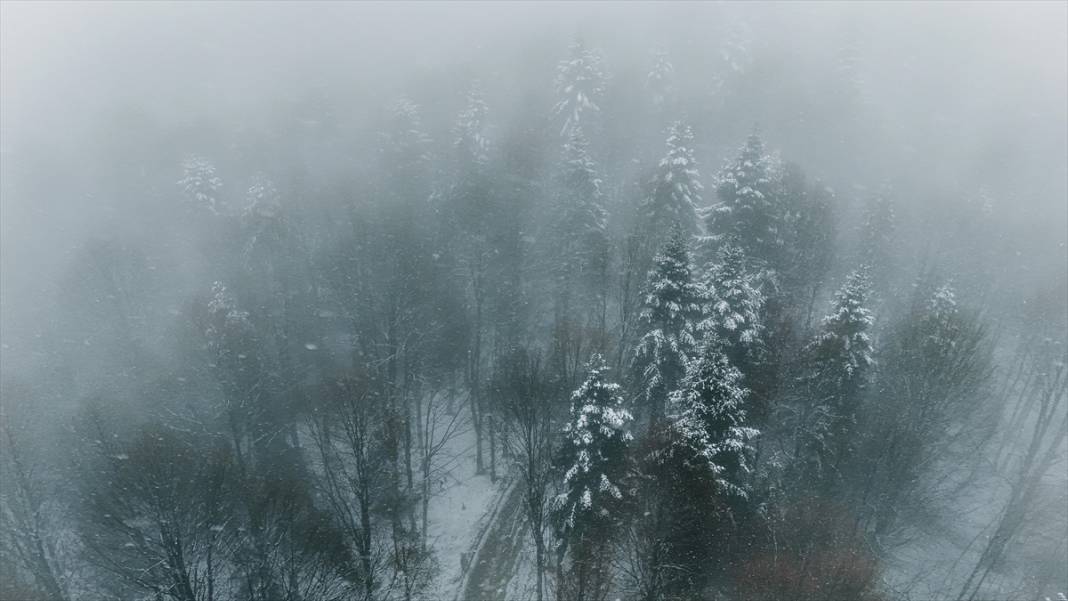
<point>675,189</point>
<point>840,360</point>
<point>710,415</point>
<point>594,458</point>
<point>748,211</point>
<point>580,84</point>
<point>672,304</point>
<point>733,306</point>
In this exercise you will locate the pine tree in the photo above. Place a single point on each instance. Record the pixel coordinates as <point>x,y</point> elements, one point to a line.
<point>841,354</point>
<point>710,416</point>
<point>594,453</point>
<point>676,188</point>
<point>580,84</point>
<point>672,304</point>
<point>200,184</point>
<point>582,218</point>
<point>469,140</point>
<point>840,365</point>
<point>732,310</point>
<point>749,212</point>
<point>660,80</point>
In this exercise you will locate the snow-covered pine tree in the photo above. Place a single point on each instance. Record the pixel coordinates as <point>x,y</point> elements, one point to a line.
<point>748,211</point>
<point>732,309</point>
<point>675,190</point>
<point>200,184</point>
<point>841,354</point>
<point>580,84</point>
<point>840,363</point>
<point>672,306</point>
<point>661,80</point>
<point>593,455</point>
<point>581,218</point>
<point>405,145</point>
<point>468,134</point>
<point>709,414</point>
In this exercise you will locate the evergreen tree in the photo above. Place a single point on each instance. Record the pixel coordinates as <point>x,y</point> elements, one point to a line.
<point>675,190</point>
<point>661,80</point>
<point>580,84</point>
<point>749,213</point>
<point>732,310</point>
<point>594,453</point>
<point>582,220</point>
<point>841,354</point>
<point>840,364</point>
<point>710,416</point>
<point>200,184</point>
<point>468,134</point>
<point>672,304</point>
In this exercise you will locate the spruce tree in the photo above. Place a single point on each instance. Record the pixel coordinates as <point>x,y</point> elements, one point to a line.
<point>840,363</point>
<point>733,306</point>
<point>580,84</point>
<point>200,184</point>
<point>675,190</point>
<point>749,213</point>
<point>594,455</point>
<point>661,80</point>
<point>672,304</point>
<point>710,417</point>
<point>841,354</point>
<point>582,220</point>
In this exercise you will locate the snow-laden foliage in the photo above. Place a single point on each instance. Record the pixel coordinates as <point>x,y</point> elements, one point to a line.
<point>841,353</point>
<point>405,144</point>
<point>732,309</point>
<point>672,306</point>
<point>582,219</point>
<point>200,184</point>
<point>580,84</point>
<point>748,211</point>
<point>262,198</point>
<point>593,454</point>
<point>708,412</point>
<point>941,323</point>
<point>468,136</point>
<point>675,190</point>
<point>661,79</point>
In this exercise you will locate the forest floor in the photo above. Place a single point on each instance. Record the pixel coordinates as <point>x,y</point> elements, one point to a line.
<point>497,558</point>
<point>459,510</point>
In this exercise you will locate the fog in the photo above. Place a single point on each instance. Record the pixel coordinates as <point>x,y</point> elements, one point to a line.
<point>467,216</point>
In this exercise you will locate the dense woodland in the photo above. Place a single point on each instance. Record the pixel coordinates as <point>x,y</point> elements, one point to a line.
<point>709,372</point>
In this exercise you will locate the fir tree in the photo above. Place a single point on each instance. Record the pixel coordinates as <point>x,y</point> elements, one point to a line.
<point>200,184</point>
<point>469,140</point>
<point>672,304</point>
<point>594,453</point>
<point>660,80</point>
<point>580,84</point>
<point>840,364</point>
<point>732,310</point>
<point>582,217</point>
<point>749,212</point>
<point>841,354</point>
<point>676,188</point>
<point>710,416</point>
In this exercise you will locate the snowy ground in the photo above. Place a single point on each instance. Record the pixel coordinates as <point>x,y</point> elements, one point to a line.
<point>458,511</point>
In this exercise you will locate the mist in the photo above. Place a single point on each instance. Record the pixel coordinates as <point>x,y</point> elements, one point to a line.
<point>585,301</point>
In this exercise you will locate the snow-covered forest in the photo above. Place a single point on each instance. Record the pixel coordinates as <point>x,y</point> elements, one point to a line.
<point>569,302</point>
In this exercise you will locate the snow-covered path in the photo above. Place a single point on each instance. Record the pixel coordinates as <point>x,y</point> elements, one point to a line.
<point>497,557</point>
